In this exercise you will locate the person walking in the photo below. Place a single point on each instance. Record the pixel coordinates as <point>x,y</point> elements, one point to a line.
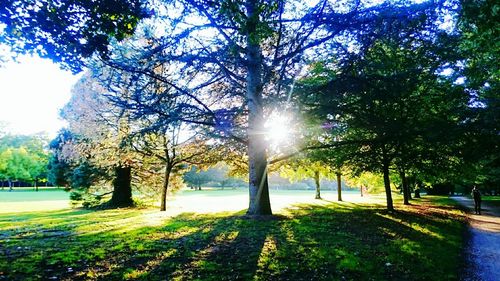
<point>477,200</point>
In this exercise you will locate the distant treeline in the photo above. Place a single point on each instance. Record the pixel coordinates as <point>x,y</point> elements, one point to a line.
<point>4,184</point>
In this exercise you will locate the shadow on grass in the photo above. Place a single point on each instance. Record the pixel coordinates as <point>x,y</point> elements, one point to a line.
<point>339,241</point>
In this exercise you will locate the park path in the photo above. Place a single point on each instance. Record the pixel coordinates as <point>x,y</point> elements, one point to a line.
<point>483,249</point>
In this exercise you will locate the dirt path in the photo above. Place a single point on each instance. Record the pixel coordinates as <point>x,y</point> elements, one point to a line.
<point>483,250</point>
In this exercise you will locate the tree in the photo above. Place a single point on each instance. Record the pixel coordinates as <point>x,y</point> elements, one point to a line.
<point>23,158</point>
<point>196,177</point>
<point>237,63</point>
<point>391,105</point>
<point>99,139</point>
<point>216,175</point>
<point>71,164</point>
<point>37,148</point>
<point>297,170</point>
<point>58,171</point>
<point>373,183</point>
<point>174,154</point>
<point>335,158</point>
<point>478,24</point>
<point>144,101</point>
<point>247,52</point>
<point>67,31</point>
<point>225,178</point>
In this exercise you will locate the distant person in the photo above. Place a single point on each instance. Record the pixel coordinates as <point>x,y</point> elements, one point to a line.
<point>477,200</point>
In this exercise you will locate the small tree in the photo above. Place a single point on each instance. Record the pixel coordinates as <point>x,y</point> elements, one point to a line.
<point>303,169</point>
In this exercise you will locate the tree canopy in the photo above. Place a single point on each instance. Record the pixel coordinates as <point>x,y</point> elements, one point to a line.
<point>23,158</point>
<point>67,31</point>
<point>391,87</point>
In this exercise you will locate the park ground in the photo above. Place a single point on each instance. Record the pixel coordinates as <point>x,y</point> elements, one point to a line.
<point>205,236</point>
<point>482,251</point>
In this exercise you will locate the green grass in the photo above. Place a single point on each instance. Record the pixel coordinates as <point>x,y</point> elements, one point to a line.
<point>24,195</point>
<point>492,200</point>
<point>206,200</point>
<point>27,199</point>
<point>324,241</point>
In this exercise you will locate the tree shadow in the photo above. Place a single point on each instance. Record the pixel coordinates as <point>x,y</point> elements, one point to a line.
<point>311,242</point>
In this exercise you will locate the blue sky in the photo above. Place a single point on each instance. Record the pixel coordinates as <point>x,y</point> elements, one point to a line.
<point>32,90</point>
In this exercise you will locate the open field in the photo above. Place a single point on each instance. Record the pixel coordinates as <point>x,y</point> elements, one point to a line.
<point>204,201</point>
<point>313,240</point>
<point>28,200</point>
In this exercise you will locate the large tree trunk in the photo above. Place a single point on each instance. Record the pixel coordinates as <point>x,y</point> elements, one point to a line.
<point>387,186</point>
<point>339,186</point>
<point>257,159</point>
<point>164,191</point>
<point>318,188</point>
<point>10,185</point>
<point>405,188</point>
<point>122,189</point>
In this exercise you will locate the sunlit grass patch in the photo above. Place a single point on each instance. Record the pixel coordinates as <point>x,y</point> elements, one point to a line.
<point>325,241</point>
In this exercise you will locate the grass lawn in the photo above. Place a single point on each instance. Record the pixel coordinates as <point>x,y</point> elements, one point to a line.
<point>492,200</point>
<point>27,199</point>
<point>320,240</point>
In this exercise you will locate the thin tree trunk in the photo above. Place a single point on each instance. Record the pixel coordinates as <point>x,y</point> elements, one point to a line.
<point>122,189</point>
<point>339,186</point>
<point>404,187</point>
<point>417,191</point>
<point>387,186</point>
<point>361,190</point>
<point>36,185</point>
<point>318,188</point>
<point>259,203</point>
<point>164,191</point>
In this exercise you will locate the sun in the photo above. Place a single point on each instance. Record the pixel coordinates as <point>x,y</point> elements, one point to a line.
<point>278,129</point>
